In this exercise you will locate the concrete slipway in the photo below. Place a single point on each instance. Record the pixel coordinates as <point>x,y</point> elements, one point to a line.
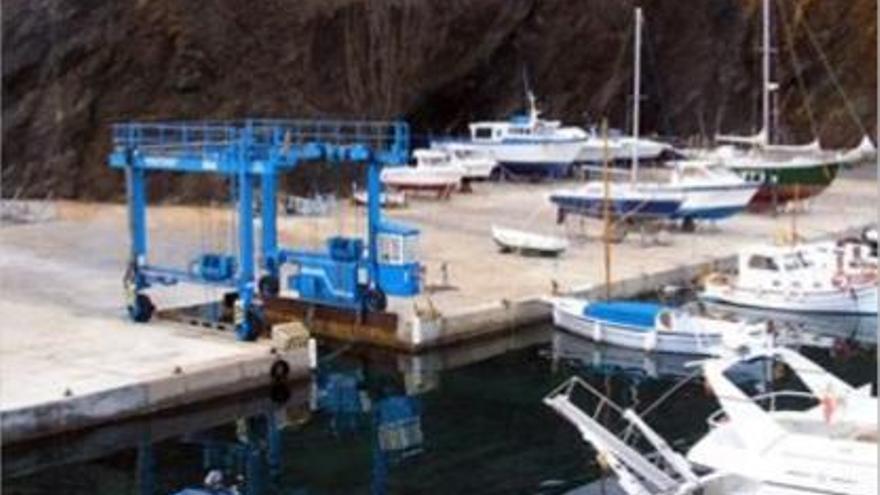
<point>69,358</point>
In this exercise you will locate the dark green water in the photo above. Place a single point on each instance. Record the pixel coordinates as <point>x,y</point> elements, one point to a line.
<point>473,423</point>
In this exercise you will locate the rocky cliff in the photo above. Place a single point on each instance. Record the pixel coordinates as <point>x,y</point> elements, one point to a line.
<point>70,67</point>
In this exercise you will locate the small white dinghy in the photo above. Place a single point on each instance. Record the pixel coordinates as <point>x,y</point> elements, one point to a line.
<point>653,327</point>
<point>512,240</point>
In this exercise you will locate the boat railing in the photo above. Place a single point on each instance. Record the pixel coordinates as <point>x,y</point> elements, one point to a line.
<point>719,417</point>
<point>642,461</point>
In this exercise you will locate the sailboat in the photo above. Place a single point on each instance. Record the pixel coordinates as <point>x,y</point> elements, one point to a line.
<point>780,169</point>
<point>696,189</point>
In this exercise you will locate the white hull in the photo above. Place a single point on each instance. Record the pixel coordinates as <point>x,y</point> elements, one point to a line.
<point>861,300</point>
<point>594,151</point>
<point>715,202</point>
<point>646,149</point>
<point>422,178</point>
<point>553,153</point>
<point>518,240</point>
<point>567,314</point>
<point>474,162</point>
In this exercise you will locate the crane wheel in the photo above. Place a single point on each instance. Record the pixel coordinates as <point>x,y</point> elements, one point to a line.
<point>269,286</point>
<point>141,309</point>
<point>375,301</point>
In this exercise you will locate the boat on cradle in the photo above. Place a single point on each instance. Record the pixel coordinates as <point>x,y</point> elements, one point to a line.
<point>754,446</point>
<point>528,145</point>
<point>626,201</point>
<point>513,240</point>
<point>653,327</point>
<point>785,172</point>
<point>432,172</point>
<point>799,278</point>
<point>709,191</point>
<point>620,148</point>
<point>476,164</point>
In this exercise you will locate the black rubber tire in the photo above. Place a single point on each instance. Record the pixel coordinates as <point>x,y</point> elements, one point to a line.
<point>375,301</point>
<point>279,371</point>
<point>142,309</point>
<point>269,286</point>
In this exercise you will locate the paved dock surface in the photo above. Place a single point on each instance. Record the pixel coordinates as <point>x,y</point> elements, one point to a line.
<point>64,330</point>
<point>68,355</point>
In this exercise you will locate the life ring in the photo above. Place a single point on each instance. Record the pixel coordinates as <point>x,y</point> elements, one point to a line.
<point>840,281</point>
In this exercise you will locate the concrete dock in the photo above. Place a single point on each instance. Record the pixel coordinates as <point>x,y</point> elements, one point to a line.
<point>71,359</point>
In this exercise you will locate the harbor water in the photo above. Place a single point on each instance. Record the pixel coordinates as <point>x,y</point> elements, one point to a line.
<point>460,420</point>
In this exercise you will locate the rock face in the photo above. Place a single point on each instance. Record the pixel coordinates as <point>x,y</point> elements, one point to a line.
<point>71,67</point>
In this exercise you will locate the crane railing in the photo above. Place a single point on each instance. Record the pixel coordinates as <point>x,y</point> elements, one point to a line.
<point>286,141</point>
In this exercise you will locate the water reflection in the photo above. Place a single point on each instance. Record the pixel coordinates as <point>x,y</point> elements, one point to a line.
<point>458,420</point>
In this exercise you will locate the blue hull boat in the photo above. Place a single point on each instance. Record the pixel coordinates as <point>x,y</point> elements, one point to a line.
<point>624,201</point>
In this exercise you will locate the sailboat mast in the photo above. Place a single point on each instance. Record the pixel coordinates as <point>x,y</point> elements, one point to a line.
<point>637,79</point>
<point>606,208</point>
<point>765,69</point>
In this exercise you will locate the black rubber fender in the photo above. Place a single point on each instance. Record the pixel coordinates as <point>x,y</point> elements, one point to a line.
<point>279,371</point>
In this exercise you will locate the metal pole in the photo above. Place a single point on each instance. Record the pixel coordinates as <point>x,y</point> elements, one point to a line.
<point>269,206</point>
<point>765,91</point>
<point>137,212</point>
<point>637,79</point>
<point>374,199</point>
<point>606,209</point>
<point>245,283</point>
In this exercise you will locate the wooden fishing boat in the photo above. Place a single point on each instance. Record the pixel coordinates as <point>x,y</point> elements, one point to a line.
<point>800,278</point>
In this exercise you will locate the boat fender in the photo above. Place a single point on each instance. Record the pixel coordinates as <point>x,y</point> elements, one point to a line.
<point>650,342</point>
<point>597,331</point>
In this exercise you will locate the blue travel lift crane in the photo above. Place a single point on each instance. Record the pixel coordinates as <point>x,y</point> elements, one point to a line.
<point>348,274</point>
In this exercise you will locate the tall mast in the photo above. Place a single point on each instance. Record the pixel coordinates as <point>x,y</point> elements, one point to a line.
<point>765,68</point>
<point>637,79</point>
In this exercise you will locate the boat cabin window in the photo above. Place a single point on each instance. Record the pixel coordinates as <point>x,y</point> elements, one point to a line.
<point>483,133</point>
<point>763,263</point>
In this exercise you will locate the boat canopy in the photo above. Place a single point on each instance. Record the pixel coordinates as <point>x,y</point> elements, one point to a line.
<point>639,314</point>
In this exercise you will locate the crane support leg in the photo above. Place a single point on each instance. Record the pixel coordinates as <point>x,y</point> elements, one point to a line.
<point>268,284</point>
<point>245,284</point>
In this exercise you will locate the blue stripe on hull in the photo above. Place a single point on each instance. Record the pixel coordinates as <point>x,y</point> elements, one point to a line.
<point>541,169</point>
<point>717,213</point>
<point>638,208</point>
